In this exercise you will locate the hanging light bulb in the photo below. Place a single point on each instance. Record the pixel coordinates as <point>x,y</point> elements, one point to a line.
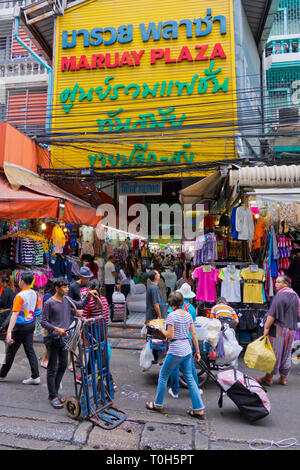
<point>43,226</point>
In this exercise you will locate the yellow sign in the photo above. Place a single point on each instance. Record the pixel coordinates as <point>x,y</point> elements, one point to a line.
<point>144,85</point>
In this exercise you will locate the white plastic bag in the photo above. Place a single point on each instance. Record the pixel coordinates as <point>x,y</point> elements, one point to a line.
<point>232,348</point>
<point>201,331</point>
<point>146,357</point>
<point>144,331</point>
<point>214,328</point>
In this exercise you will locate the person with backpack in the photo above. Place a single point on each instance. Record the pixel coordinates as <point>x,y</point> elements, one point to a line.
<point>188,295</point>
<point>21,328</point>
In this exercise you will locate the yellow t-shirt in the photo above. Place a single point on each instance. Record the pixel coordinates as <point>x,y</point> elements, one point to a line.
<point>253,286</point>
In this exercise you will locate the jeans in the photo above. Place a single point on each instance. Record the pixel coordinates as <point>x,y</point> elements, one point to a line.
<point>57,364</point>
<point>174,378</point>
<point>171,363</point>
<point>21,334</point>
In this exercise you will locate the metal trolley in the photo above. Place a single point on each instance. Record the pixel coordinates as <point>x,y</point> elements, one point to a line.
<point>94,395</point>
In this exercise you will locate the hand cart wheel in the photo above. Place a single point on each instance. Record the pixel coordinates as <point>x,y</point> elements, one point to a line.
<point>72,407</point>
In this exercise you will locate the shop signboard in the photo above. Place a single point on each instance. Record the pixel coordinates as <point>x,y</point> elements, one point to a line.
<point>144,84</point>
<point>140,188</point>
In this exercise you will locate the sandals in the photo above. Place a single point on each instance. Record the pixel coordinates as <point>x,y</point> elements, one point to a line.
<point>61,398</point>
<point>44,364</point>
<point>56,403</point>
<point>196,415</point>
<point>150,406</point>
<point>264,381</point>
<point>283,381</point>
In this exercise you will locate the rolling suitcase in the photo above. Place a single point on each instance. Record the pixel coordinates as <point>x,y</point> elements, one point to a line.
<point>247,394</point>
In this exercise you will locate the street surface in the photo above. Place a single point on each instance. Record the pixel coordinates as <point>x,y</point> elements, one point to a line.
<point>27,421</point>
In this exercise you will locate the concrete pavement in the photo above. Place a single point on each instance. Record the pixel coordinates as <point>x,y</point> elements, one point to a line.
<point>27,421</point>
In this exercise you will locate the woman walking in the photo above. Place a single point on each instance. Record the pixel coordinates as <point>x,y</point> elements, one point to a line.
<point>280,327</point>
<point>179,324</point>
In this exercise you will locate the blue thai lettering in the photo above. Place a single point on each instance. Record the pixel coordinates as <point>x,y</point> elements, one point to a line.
<point>96,35</point>
<point>65,40</point>
<point>189,27</point>
<point>86,37</point>
<point>113,36</point>
<point>170,30</point>
<point>125,33</point>
<point>153,30</point>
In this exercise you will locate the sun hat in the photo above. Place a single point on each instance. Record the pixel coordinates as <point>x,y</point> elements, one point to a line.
<point>85,272</point>
<point>186,291</point>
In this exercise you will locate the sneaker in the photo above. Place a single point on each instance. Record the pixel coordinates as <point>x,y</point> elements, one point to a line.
<point>201,391</point>
<point>172,394</point>
<point>31,381</point>
<point>2,379</point>
<point>114,385</point>
<point>79,379</point>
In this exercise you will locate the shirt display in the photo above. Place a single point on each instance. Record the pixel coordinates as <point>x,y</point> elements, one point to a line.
<point>253,291</point>
<point>244,223</point>
<point>206,287</point>
<point>230,287</point>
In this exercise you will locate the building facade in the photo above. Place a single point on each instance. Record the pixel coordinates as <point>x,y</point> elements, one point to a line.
<point>281,75</point>
<point>23,80</point>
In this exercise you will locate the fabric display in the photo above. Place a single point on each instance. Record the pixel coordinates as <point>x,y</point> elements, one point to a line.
<point>29,252</point>
<point>207,278</point>
<point>258,234</point>
<point>41,276</point>
<point>61,267</point>
<point>222,247</point>
<point>242,225</point>
<point>58,239</point>
<point>253,285</point>
<point>284,252</point>
<point>205,249</point>
<point>230,286</point>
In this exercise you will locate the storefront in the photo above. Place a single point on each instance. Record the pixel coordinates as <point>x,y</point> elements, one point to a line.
<point>248,240</point>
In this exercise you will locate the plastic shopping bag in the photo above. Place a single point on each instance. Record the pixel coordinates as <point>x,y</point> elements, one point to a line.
<point>229,349</point>
<point>146,357</point>
<point>260,355</point>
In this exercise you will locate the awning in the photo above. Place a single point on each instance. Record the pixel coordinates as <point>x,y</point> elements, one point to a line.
<point>266,176</point>
<point>18,148</point>
<point>204,190</point>
<point>25,204</point>
<point>277,194</point>
<point>77,211</point>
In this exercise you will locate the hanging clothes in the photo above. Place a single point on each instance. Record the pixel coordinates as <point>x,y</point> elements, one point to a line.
<point>231,284</point>
<point>253,286</point>
<point>244,223</point>
<point>206,286</point>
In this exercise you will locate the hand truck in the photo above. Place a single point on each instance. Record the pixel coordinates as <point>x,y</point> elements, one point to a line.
<point>94,394</point>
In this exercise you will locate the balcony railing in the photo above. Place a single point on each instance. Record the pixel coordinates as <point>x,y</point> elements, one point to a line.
<point>24,68</point>
<point>283,46</point>
<point>10,4</point>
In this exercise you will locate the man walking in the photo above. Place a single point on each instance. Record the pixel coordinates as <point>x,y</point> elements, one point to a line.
<point>21,328</point>
<point>153,297</point>
<point>110,275</point>
<point>56,318</point>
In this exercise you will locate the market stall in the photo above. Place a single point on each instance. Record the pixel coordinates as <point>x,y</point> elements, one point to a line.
<point>247,241</point>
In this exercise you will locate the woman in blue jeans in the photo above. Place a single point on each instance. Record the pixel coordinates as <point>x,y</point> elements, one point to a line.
<point>179,325</point>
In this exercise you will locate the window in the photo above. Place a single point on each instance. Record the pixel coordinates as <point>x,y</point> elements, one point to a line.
<point>3,48</point>
<point>27,109</point>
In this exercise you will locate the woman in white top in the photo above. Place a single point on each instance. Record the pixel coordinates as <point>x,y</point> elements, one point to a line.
<point>179,324</point>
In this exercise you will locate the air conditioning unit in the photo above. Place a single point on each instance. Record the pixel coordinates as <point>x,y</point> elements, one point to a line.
<point>288,116</point>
